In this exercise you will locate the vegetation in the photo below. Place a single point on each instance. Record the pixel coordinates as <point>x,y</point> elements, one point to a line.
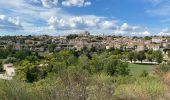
<point>137,69</point>
<point>88,74</point>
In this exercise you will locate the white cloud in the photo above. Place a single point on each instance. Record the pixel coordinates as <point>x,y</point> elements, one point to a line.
<point>88,3</point>
<point>108,24</point>
<point>129,30</point>
<point>146,33</point>
<point>10,23</point>
<point>81,22</point>
<point>140,33</point>
<point>78,3</point>
<point>49,3</point>
<point>126,27</point>
<point>164,32</point>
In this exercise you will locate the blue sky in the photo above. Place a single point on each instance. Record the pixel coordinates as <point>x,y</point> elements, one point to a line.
<point>61,17</point>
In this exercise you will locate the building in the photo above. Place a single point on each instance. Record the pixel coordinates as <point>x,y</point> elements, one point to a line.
<point>154,47</point>
<point>157,40</point>
<point>9,72</point>
<point>84,34</point>
<point>140,47</point>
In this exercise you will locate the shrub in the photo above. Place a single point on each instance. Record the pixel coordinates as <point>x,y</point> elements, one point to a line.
<point>141,89</point>
<point>144,73</point>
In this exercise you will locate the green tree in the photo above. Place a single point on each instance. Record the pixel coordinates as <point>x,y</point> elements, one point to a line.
<point>22,54</point>
<point>22,69</point>
<point>72,36</point>
<point>141,56</point>
<point>130,56</point>
<point>32,58</point>
<point>114,66</point>
<point>4,53</point>
<point>83,61</point>
<point>29,72</point>
<point>10,60</point>
<point>135,57</point>
<point>1,65</point>
<point>158,56</point>
<point>97,63</point>
<point>147,38</point>
<point>150,55</point>
<point>51,47</point>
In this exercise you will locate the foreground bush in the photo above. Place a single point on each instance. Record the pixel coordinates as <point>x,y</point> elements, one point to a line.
<point>141,89</point>
<point>71,86</point>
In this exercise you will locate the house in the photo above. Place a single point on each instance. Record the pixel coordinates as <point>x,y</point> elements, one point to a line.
<point>108,47</point>
<point>84,34</point>
<point>98,45</point>
<point>157,39</point>
<point>140,47</point>
<point>154,47</point>
<point>29,41</point>
<point>117,46</point>
<point>130,46</point>
<point>9,70</point>
<point>17,47</point>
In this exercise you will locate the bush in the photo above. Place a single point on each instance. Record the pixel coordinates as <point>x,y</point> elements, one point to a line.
<point>144,73</point>
<point>166,78</point>
<point>162,68</point>
<point>72,85</point>
<point>141,89</point>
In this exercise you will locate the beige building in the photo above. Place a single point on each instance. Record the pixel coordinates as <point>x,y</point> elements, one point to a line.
<point>9,70</point>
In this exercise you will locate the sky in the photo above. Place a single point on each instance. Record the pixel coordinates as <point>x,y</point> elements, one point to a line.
<point>62,17</point>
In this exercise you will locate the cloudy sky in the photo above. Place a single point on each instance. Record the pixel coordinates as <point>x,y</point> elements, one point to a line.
<point>60,17</point>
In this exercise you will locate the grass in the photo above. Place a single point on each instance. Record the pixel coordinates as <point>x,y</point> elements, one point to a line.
<point>137,69</point>
<point>141,89</point>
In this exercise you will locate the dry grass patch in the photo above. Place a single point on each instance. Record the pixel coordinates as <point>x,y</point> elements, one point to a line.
<point>142,89</point>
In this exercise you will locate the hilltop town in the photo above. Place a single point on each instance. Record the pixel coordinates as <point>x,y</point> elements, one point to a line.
<point>85,40</point>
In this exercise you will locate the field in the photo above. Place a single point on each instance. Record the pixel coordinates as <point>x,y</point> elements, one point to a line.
<point>136,69</point>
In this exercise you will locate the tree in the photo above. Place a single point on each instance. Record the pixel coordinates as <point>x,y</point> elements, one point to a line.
<point>114,66</point>
<point>32,58</point>
<point>29,72</point>
<point>72,36</point>
<point>51,47</point>
<point>122,69</point>
<point>23,68</point>
<point>147,38</point>
<point>135,57</point>
<point>158,56</point>
<point>97,63</point>
<point>22,54</point>
<point>83,61</point>
<point>10,60</point>
<point>150,55</point>
<point>67,57</point>
<point>141,56</point>
<point>4,53</point>
<point>130,56</point>
<point>1,65</point>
